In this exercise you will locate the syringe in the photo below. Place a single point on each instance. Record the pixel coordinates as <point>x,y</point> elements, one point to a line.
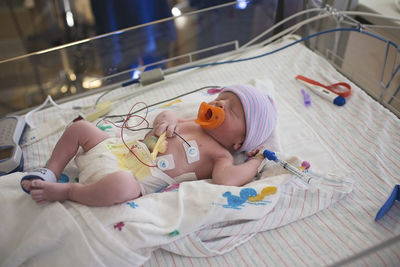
<point>337,184</point>
<point>287,166</point>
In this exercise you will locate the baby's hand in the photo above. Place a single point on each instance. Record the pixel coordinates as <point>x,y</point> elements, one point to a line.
<point>165,121</point>
<point>252,153</point>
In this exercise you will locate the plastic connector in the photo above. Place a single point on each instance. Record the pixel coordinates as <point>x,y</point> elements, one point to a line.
<point>97,111</point>
<point>270,155</point>
<point>151,76</point>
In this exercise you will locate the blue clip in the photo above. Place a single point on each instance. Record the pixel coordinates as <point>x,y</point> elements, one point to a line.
<point>395,195</point>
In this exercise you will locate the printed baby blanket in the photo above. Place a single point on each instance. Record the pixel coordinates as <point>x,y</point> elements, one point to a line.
<point>213,219</point>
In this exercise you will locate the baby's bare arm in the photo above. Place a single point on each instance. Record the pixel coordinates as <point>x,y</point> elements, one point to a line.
<point>226,173</point>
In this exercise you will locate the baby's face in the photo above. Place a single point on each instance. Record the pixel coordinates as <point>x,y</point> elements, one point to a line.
<point>232,132</point>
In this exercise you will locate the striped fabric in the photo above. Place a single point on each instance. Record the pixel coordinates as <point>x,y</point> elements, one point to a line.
<point>362,138</point>
<point>260,114</point>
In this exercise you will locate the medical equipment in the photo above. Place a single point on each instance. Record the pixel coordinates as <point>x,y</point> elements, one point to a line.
<point>96,111</point>
<point>341,89</point>
<point>210,117</point>
<point>47,128</point>
<point>395,195</point>
<point>336,184</point>
<point>306,98</point>
<point>286,165</point>
<point>160,146</point>
<point>324,92</point>
<point>328,95</point>
<point>11,131</point>
<point>165,162</point>
<point>191,151</point>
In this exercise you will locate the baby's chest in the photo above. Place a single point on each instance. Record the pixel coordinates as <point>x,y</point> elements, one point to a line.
<point>190,150</point>
<point>192,155</point>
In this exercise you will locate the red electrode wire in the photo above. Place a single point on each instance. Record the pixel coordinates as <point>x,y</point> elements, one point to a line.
<point>123,126</point>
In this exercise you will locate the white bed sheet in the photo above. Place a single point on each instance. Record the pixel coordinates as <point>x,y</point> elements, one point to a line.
<point>360,138</point>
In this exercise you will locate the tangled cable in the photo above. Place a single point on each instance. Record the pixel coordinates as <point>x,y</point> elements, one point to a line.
<point>143,119</point>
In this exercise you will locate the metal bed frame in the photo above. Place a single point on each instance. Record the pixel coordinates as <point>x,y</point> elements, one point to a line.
<point>48,72</point>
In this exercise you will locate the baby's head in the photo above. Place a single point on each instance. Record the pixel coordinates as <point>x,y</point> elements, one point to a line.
<point>259,113</point>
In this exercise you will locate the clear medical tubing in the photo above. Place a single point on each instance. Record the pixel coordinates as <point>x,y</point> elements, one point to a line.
<point>325,183</point>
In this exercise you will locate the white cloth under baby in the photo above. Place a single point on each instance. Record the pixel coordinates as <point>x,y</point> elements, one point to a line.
<point>99,162</point>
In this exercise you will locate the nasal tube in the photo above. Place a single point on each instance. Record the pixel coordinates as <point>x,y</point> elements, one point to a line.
<point>210,117</point>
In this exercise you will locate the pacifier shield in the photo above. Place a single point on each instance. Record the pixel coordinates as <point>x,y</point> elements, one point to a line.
<point>210,117</point>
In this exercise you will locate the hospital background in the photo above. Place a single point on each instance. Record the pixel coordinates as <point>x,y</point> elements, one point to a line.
<point>113,61</point>
<point>67,48</point>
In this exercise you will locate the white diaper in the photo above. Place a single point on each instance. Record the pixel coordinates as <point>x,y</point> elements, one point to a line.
<point>100,161</point>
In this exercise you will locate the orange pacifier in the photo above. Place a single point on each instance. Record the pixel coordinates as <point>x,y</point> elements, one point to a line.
<point>210,117</point>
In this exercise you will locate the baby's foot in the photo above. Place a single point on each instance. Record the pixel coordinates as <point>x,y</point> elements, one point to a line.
<point>27,184</point>
<point>41,173</point>
<point>42,191</point>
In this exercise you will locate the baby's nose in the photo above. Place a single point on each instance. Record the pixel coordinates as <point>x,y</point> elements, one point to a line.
<point>219,104</point>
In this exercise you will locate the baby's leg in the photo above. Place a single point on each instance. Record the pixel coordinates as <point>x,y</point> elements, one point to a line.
<point>117,187</point>
<point>81,133</point>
